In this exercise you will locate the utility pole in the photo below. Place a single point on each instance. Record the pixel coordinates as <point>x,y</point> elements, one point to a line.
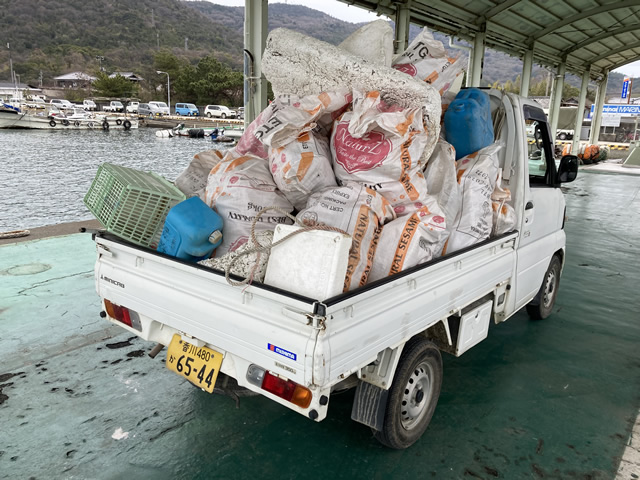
<point>40,78</point>
<point>158,39</point>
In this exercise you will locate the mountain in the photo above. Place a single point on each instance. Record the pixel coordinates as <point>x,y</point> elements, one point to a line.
<point>54,38</point>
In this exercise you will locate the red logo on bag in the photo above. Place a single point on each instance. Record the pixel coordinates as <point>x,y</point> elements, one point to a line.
<point>360,154</point>
<point>407,68</point>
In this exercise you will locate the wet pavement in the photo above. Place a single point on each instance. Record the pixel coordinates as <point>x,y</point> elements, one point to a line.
<point>553,399</point>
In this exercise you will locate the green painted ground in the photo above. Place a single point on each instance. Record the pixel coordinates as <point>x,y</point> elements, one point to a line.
<point>551,399</point>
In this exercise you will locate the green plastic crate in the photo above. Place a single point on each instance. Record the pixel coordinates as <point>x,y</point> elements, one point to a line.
<point>132,204</point>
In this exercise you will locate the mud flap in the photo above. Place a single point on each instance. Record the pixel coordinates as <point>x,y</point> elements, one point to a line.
<point>369,405</point>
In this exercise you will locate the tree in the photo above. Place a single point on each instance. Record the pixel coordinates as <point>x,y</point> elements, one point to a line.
<point>117,86</point>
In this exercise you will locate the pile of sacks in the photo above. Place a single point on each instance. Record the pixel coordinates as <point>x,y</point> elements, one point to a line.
<point>355,144</point>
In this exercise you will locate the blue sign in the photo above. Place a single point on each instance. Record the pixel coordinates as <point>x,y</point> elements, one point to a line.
<point>625,88</point>
<point>618,109</point>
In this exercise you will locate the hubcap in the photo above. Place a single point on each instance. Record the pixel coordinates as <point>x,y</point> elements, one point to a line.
<point>549,289</point>
<point>416,396</point>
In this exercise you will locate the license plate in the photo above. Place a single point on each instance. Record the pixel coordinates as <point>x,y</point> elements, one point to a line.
<point>199,365</point>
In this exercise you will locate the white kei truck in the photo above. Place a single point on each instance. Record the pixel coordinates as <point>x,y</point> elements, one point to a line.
<point>385,338</point>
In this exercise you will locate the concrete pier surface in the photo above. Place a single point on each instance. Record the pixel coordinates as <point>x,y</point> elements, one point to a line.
<point>552,399</point>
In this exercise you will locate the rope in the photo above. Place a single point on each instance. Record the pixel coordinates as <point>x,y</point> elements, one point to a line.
<point>259,249</point>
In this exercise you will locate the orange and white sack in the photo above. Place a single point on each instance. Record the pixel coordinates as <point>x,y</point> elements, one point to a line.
<point>477,174</point>
<point>237,189</point>
<point>291,115</point>
<point>193,180</point>
<point>380,145</point>
<point>248,143</point>
<point>357,210</point>
<point>426,59</point>
<point>442,182</point>
<point>410,240</point>
<point>302,167</point>
<point>504,215</point>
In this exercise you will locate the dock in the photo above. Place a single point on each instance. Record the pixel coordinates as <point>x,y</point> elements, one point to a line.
<point>557,398</point>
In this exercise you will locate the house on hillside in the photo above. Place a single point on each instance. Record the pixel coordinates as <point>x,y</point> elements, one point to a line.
<point>132,77</point>
<point>74,80</point>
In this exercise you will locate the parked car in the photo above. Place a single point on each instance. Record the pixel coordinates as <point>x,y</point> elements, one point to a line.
<point>61,104</point>
<point>89,104</point>
<point>188,109</point>
<point>162,107</point>
<point>219,111</point>
<point>114,106</point>
<point>149,109</point>
<point>133,107</point>
<point>240,113</point>
<point>36,102</point>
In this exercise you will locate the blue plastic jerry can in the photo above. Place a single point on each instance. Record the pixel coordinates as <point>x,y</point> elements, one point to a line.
<point>191,231</point>
<point>467,122</point>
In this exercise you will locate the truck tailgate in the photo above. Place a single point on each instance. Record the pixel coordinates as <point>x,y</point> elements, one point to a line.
<point>252,325</point>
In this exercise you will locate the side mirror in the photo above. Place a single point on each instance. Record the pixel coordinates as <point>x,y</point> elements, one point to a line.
<point>568,169</point>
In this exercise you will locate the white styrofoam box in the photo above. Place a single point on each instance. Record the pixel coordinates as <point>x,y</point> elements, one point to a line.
<point>474,327</point>
<point>313,264</point>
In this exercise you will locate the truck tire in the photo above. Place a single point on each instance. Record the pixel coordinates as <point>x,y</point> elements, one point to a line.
<point>562,136</point>
<point>542,304</point>
<point>413,394</point>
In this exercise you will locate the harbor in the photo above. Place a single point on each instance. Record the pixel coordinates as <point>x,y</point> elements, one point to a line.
<point>556,398</point>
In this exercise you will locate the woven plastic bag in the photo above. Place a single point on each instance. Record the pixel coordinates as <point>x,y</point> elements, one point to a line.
<point>426,59</point>
<point>477,175</point>
<point>504,215</point>
<point>302,167</point>
<point>442,182</point>
<point>410,240</point>
<point>193,180</point>
<point>380,145</point>
<point>360,212</point>
<point>291,115</point>
<point>238,188</point>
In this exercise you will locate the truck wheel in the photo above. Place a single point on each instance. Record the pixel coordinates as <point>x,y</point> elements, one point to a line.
<point>413,394</point>
<point>542,304</point>
<point>562,136</point>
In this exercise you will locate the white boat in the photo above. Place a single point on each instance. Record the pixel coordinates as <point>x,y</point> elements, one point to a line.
<point>56,120</point>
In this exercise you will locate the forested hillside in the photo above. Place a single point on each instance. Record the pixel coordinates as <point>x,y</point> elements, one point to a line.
<point>50,38</point>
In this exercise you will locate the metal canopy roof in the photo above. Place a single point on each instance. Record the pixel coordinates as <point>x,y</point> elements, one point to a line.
<point>597,35</point>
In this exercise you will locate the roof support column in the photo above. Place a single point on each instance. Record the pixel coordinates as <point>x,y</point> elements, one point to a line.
<point>474,75</point>
<point>525,78</point>
<point>403,17</point>
<point>255,38</point>
<point>556,99</point>
<point>596,121</point>
<point>575,146</point>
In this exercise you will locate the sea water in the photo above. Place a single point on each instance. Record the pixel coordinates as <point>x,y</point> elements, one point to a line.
<point>45,174</point>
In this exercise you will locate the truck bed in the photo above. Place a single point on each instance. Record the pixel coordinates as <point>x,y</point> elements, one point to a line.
<point>311,342</point>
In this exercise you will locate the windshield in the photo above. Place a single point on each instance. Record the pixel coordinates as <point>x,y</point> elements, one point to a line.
<point>161,104</point>
<point>118,104</point>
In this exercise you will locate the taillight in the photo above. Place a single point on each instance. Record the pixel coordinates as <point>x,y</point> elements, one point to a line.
<point>123,315</point>
<point>285,389</point>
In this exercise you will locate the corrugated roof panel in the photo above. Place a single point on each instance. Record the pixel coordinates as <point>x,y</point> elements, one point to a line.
<point>602,33</point>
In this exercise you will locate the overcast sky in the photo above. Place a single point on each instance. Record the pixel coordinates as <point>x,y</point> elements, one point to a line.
<point>330,7</point>
<point>357,15</point>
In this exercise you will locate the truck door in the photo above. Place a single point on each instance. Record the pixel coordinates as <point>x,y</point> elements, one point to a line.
<point>542,219</point>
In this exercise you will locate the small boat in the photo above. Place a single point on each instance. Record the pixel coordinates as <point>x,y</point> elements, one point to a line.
<point>217,134</point>
<point>54,119</point>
